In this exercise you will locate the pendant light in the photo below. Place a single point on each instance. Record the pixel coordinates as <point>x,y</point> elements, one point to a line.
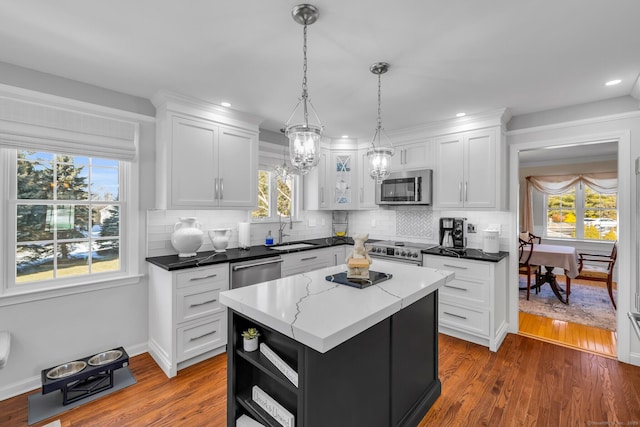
<point>380,156</point>
<point>304,138</point>
<point>284,171</point>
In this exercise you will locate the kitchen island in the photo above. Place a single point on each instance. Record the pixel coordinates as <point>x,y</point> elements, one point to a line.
<point>359,356</point>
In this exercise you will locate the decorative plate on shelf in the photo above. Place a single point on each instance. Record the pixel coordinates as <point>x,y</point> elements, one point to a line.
<point>375,277</point>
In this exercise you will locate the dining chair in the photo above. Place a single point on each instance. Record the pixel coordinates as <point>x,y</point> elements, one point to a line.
<point>600,272</point>
<point>525,267</point>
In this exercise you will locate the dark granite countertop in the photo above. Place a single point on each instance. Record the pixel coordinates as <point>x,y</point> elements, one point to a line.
<point>173,262</point>
<point>467,253</point>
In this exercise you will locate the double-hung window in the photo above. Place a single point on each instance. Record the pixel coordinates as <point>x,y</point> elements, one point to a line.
<point>582,213</point>
<point>68,205</point>
<point>66,215</point>
<point>276,196</point>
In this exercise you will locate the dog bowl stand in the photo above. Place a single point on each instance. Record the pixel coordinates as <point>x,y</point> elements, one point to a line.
<point>87,382</point>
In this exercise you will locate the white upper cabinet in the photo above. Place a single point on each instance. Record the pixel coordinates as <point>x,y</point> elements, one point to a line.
<point>316,188</point>
<point>366,184</point>
<point>467,172</point>
<point>206,157</point>
<point>344,179</point>
<point>409,156</point>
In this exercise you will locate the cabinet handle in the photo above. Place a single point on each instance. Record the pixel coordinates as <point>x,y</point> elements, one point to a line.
<point>455,287</point>
<point>215,185</point>
<point>460,190</point>
<point>466,194</point>
<point>193,279</point>
<point>455,266</point>
<point>322,195</point>
<point>203,303</point>
<point>309,259</point>
<point>456,315</point>
<point>202,336</point>
<point>221,188</point>
<point>257,264</point>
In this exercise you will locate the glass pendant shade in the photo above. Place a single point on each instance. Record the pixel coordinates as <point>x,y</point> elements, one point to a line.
<point>304,146</point>
<point>380,163</point>
<point>380,156</point>
<point>304,137</point>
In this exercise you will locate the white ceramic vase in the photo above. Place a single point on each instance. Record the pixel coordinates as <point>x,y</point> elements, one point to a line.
<point>187,237</point>
<point>220,238</point>
<point>249,344</point>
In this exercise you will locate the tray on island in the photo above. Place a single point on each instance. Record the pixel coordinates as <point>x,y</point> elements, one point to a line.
<point>375,277</point>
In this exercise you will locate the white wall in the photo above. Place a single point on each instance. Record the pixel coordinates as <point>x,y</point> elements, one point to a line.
<point>57,330</point>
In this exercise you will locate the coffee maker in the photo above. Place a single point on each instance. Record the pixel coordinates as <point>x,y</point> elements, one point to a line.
<point>453,233</point>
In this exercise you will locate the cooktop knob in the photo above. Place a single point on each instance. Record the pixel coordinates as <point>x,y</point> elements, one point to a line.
<point>415,254</point>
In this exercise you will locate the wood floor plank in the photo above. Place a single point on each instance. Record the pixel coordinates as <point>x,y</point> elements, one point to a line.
<point>528,382</point>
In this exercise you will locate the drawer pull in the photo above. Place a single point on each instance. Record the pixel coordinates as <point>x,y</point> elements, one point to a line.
<point>456,266</point>
<point>309,259</point>
<point>193,279</point>
<point>455,315</point>
<point>456,287</point>
<point>202,336</point>
<point>203,303</point>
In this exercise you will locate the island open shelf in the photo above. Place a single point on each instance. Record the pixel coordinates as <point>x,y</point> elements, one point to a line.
<point>384,376</point>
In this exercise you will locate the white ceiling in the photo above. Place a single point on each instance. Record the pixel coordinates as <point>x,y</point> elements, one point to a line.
<point>445,56</point>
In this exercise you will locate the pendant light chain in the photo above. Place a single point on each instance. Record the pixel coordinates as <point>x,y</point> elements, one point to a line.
<point>379,107</point>
<point>304,75</point>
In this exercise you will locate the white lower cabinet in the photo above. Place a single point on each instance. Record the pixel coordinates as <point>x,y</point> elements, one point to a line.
<point>472,307</point>
<point>303,262</point>
<point>187,323</point>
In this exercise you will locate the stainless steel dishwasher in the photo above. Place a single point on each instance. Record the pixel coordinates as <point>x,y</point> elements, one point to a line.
<point>247,273</point>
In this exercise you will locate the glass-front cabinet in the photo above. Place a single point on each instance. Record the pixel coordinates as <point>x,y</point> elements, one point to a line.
<point>344,178</point>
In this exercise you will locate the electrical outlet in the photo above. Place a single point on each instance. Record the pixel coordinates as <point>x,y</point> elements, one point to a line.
<point>373,223</point>
<point>471,228</point>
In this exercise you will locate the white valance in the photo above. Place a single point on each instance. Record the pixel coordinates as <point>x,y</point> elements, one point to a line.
<point>605,183</point>
<point>37,127</point>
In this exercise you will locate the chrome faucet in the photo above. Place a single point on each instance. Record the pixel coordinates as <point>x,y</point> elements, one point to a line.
<point>281,233</point>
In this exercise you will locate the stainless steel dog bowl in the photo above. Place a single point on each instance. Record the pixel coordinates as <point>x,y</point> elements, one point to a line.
<point>105,357</point>
<point>66,370</point>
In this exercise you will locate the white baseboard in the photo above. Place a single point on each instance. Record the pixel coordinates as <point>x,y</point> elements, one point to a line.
<point>634,359</point>
<point>34,383</point>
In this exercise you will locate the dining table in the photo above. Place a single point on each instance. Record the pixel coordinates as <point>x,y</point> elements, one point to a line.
<point>554,256</point>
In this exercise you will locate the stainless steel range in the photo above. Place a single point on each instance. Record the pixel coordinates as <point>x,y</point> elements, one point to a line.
<point>398,251</point>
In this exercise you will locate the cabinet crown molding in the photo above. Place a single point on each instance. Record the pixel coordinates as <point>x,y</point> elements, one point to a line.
<point>166,101</point>
<point>498,117</point>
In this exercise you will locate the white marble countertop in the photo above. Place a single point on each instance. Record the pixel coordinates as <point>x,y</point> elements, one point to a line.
<point>322,314</point>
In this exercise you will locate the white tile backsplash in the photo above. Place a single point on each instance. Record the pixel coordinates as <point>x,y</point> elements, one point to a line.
<point>411,223</point>
<point>160,225</point>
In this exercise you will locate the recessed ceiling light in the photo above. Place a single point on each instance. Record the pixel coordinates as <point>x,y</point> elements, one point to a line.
<point>461,114</point>
<point>225,104</point>
<point>345,136</point>
<point>612,82</point>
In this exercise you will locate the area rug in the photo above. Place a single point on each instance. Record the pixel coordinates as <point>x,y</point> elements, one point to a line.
<point>43,406</point>
<point>588,305</point>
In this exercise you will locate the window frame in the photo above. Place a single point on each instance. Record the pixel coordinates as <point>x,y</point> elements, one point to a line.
<point>97,132</point>
<point>273,193</point>
<point>20,292</point>
<point>271,155</point>
<point>580,208</point>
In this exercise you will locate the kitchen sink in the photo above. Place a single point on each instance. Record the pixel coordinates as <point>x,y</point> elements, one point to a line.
<point>289,246</point>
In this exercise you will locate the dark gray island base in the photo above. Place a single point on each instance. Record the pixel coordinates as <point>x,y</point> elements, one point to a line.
<point>384,376</point>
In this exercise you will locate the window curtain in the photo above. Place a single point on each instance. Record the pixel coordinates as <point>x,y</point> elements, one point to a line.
<point>605,182</point>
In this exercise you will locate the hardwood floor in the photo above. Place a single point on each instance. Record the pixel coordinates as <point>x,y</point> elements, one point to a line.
<point>568,334</point>
<point>527,382</point>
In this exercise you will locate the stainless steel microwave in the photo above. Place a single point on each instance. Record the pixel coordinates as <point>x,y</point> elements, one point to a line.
<point>406,188</point>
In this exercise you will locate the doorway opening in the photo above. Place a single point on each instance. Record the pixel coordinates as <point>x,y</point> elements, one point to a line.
<point>569,220</point>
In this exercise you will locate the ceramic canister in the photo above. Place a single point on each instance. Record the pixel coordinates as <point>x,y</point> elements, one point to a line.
<point>187,237</point>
